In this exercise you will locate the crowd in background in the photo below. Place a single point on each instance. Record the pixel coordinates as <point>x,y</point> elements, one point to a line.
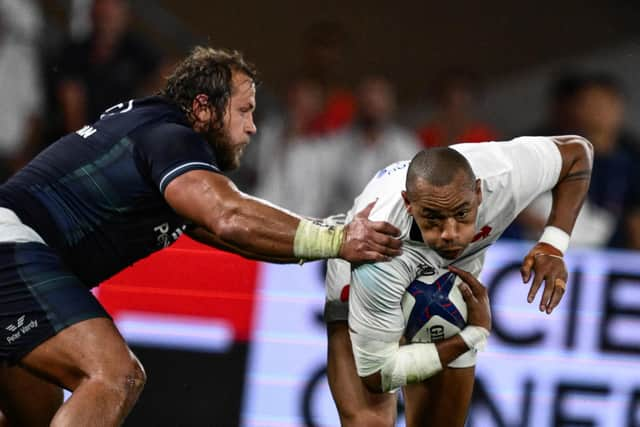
<point>320,142</point>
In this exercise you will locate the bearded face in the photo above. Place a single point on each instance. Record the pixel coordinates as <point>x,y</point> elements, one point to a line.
<point>238,125</point>
<point>228,153</point>
<point>229,141</point>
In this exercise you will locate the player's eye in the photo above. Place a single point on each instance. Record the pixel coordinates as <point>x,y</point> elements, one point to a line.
<point>432,221</point>
<point>462,214</point>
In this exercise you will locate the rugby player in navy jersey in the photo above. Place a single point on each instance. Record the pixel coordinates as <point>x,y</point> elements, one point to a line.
<point>112,193</point>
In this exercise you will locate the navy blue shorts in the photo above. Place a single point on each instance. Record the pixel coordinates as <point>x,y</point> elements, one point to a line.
<point>39,297</point>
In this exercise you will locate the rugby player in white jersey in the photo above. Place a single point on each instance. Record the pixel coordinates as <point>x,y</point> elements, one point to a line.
<point>451,205</point>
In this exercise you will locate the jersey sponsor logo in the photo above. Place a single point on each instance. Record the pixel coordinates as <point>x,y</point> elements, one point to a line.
<point>425,270</point>
<point>165,238</point>
<point>118,109</point>
<point>482,234</point>
<point>19,328</point>
<point>86,131</point>
<point>392,168</point>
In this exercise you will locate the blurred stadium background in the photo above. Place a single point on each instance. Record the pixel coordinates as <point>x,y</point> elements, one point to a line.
<point>228,342</point>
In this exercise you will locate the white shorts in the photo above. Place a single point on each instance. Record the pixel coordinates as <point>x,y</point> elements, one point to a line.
<point>336,307</point>
<point>13,230</point>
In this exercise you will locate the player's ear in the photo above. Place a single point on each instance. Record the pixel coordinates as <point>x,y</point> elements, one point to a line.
<point>407,203</point>
<point>201,108</point>
<point>478,190</point>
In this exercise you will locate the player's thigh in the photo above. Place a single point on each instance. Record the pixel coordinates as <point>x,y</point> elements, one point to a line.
<point>90,349</point>
<point>50,322</point>
<point>26,400</point>
<point>357,406</point>
<point>440,401</point>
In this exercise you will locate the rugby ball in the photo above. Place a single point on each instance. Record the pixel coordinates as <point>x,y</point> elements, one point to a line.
<point>433,308</point>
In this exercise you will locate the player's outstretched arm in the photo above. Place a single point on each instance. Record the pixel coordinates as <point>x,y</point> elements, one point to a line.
<point>412,363</point>
<point>202,235</point>
<point>257,229</point>
<point>545,258</point>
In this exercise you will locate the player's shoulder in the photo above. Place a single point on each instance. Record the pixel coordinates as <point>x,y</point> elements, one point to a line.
<point>476,151</point>
<point>147,118</point>
<point>165,131</point>
<point>385,188</point>
<point>390,176</point>
<point>487,160</point>
<point>142,110</point>
<point>387,182</point>
<point>494,158</point>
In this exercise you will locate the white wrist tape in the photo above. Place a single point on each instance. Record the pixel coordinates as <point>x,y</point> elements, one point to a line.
<point>398,365</point>
<point>475,337</point>
<point>317,241</point>
<point>555,237</point>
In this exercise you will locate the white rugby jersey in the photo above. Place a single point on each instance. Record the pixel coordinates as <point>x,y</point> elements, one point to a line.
<point>512,174</point>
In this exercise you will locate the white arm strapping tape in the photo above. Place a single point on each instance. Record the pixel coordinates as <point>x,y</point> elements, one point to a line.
<point>315,240</point>
<point>398,365</point>
<point>555,237</point>
<point>475,337</point>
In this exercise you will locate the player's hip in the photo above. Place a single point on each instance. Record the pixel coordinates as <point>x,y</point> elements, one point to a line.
<point>38,298</point>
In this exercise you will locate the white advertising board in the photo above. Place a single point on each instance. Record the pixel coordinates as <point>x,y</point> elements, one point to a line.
<point>578,366</point>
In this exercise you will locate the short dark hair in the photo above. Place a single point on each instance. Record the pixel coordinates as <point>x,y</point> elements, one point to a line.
<point>438,166</point>
<point>206,71</point>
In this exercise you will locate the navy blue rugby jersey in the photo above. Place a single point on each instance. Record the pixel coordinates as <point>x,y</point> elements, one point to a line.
<point>96,195</point>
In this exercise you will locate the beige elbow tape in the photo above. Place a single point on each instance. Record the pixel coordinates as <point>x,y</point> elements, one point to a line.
<point>316,241</point>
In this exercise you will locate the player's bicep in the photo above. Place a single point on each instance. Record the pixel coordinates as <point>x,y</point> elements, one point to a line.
<point>201,196</point>
<point>577,156</point>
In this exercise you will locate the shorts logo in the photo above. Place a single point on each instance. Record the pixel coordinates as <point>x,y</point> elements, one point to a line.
<point>19,323</point>
<point>19,328</point>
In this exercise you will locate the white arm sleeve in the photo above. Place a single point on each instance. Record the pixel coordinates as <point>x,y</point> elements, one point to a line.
<point>398,366</point>
<point>374,299</point>
<point>376,325</point>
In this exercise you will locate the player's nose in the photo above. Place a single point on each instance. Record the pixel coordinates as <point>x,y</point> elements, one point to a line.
<point>251,127</point>
<point>449,230</point>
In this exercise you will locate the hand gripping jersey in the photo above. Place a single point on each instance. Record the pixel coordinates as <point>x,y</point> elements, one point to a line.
<point>512,174</point>
<point>96,195</point>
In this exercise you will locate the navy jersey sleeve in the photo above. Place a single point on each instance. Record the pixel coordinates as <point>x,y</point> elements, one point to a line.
<point>169,150</point>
